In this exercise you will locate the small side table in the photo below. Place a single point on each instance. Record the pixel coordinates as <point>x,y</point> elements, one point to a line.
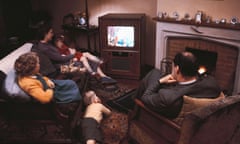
<point>91,31</point>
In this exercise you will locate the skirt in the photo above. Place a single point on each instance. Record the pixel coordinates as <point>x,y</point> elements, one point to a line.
<point>66,91</point>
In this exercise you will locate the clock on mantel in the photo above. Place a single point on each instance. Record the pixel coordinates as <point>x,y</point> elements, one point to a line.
<point>192,22</point>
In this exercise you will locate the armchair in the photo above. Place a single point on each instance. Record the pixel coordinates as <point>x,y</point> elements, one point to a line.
<point>216,123</point>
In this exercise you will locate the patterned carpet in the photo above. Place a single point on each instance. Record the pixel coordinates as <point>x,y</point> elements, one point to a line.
<point>114,127</point>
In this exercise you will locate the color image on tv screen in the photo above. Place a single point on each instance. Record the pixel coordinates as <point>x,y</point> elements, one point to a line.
<point>121,36</point>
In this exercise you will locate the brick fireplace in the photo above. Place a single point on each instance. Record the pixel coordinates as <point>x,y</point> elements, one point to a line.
<point>173,37</point>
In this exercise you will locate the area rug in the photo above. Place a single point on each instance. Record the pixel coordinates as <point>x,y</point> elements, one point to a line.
<point>114,127</point>
<point>21,132</point>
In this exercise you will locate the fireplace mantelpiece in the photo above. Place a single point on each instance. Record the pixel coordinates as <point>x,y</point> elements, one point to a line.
<point>166,30</point>
<point>204,24</point>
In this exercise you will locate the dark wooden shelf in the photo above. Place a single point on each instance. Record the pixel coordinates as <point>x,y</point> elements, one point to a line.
<point>204,24</point>
<point>80,28</point>
<point>88,31</point>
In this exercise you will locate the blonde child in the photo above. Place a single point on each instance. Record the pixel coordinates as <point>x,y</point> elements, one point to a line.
<point>92,118</point>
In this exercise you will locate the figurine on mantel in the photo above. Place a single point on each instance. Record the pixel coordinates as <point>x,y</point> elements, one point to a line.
<point>162,15</point>
<point>186,16</point>
<point>198,17</point>
<point>176,16</point>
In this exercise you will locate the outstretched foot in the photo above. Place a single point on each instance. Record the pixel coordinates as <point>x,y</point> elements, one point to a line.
<point>108,80</point>
<point>101,61</point>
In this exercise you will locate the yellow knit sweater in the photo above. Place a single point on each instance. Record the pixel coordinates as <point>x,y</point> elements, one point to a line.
<point>34,88</point>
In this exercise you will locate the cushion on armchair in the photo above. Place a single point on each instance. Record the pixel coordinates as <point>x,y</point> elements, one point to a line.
<point>190,104</point>
<point>217,123</point>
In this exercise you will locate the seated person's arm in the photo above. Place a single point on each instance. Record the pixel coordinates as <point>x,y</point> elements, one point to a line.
<point>72,51</point>
<point>154,98</point>
<point>54,55</point>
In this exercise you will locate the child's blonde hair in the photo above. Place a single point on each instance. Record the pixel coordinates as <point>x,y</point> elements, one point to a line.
<point>88,97</point>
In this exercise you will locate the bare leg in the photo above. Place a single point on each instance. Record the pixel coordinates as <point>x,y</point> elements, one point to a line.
<point>104,78</point>
<point>100,72</point>
<point>91,57</point>
<point>86,64</point>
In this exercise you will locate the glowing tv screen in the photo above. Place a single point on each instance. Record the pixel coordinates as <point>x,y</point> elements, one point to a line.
<point>120,36</point>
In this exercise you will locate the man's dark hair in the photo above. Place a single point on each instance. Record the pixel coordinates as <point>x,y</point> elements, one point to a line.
<point>187,62</point>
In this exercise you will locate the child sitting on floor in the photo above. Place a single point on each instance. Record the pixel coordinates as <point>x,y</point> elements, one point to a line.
<point>84,57</point>
<point>92,118</point>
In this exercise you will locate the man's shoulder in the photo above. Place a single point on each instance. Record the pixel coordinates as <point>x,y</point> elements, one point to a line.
<point>207,78</point>
<point>209,82</point>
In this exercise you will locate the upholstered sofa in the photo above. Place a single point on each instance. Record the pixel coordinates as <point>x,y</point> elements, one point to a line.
<point>19,109</point>
<point>215,122</point>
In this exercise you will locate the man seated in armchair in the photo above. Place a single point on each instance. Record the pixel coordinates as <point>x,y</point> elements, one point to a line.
<point>164,93</point>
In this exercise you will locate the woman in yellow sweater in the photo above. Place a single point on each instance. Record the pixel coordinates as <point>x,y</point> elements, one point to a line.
<point>42,88</point>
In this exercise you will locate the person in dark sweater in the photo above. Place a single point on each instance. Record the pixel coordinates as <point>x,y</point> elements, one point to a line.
<point>51,59</point>
<point>164,93</point>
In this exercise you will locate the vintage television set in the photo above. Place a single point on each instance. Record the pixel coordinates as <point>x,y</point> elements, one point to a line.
<point>122,40</point>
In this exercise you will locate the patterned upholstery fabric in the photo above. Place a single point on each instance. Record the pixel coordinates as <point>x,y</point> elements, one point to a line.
<point>218,123</point>
<point>190,104</point>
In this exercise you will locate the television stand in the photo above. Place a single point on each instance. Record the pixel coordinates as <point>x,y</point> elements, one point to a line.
<point>122,41</point>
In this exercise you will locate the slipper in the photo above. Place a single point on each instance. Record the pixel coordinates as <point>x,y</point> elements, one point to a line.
<point>108,80</point>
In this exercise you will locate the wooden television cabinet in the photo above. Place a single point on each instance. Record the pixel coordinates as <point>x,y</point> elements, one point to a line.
<point>122,40</point>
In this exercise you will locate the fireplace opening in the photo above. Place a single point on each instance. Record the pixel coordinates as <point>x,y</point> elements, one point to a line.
<point>207,60</point>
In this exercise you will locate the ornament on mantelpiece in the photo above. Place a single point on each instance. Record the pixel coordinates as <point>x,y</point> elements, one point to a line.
<point>234,20</point>
<point>186,16</point>
<point>175,15</point>
<point>223,21</point>
<point>208,19</point>
<point>198,17</point>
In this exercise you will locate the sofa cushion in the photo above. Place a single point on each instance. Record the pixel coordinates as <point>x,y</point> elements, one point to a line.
<point>13,90</point>
<point>7,63</point>
<point>2,78</point>
<point>9,88</point>
<point>190,104</point>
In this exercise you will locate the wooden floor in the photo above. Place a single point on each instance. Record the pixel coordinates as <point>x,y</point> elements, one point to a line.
<point>130,82</point>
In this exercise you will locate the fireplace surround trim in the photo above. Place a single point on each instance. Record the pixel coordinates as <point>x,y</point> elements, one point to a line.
<point>226,36</point>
